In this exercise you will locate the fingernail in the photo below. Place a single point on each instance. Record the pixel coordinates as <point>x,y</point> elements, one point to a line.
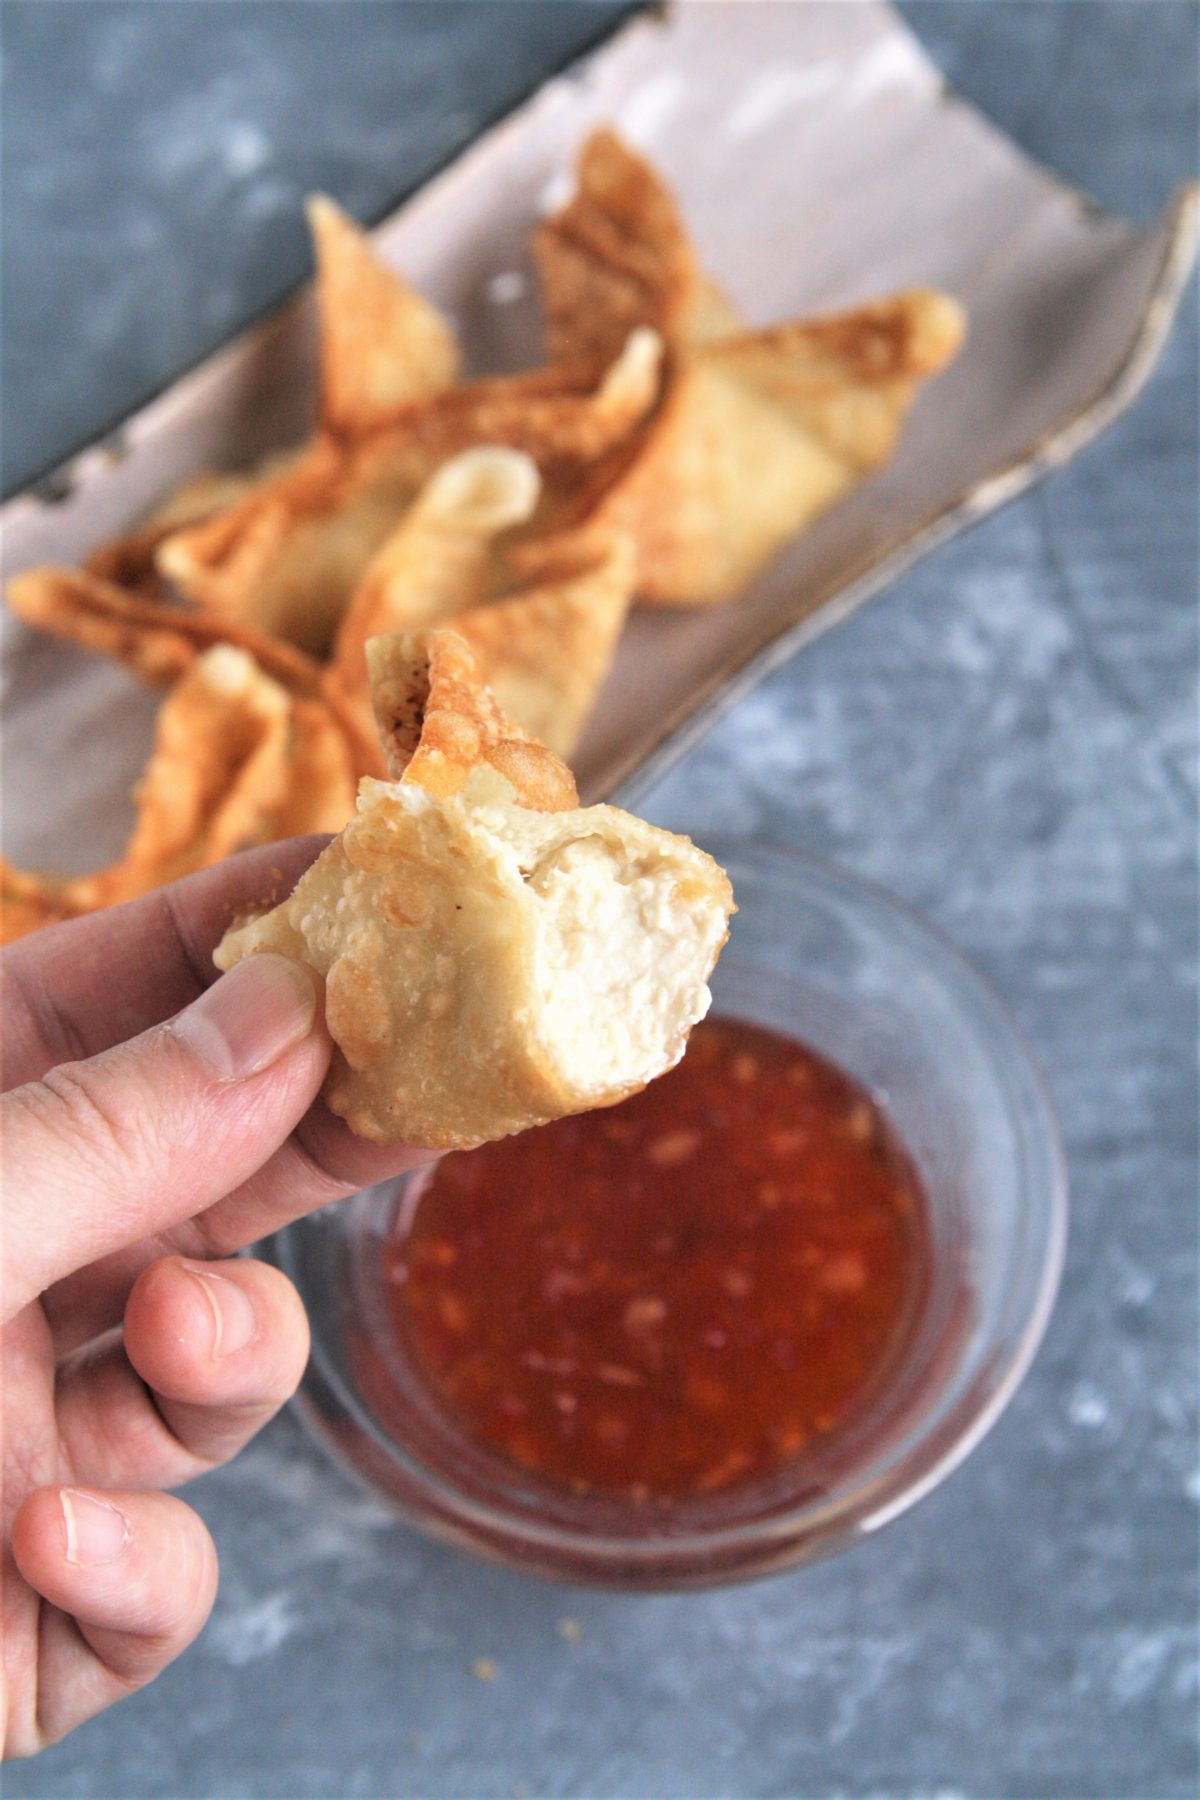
<point>250,1017</point>
<point>234,1323</point>
<point>97,1532</point>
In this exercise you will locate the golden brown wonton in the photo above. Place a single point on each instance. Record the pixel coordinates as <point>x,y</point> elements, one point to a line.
<point>289,557</point>
<point>237,760</point>
<point>155,641</point>
<point>543,620</point>
<point>438,723</point>
<point>492,955</point>
<point>442,556</point>
<point>618,256</point>
<point>758,432</point>
<point>665,453</point>
<point>546,647</point>
<point>762,432</point>
<point>381,344</point>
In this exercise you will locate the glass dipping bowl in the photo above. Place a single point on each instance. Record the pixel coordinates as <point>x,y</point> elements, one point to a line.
<point>836,963</point>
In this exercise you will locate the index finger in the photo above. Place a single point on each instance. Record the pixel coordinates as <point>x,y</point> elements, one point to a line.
<point>76,989</point>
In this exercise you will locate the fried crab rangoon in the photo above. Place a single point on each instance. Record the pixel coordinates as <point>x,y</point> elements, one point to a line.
<point>758,432</point>
<point>289,557</point>
<point>665,454</point>
<point>237,760</point>
<point>380,346</point>
<point>156,643</point>
<point>442,557</point>
<point>545,648</point>
<point>761,433</point>
<point>494,956</point>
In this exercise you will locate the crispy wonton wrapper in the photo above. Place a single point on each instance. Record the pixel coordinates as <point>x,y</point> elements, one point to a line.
<point>129,560</point>
<point>381,344</point>
<point>490,964</point>
<point>546,649</point>
<point>543,647</point>
<point>442,556</point>
<point>237,760</point>
<point>217,774</point>
<point>438,724</point>
<point>761,433</point>
<point>159,643</point>
<point>289,557</point>
<point>617,256</point>
<point>156,642</point>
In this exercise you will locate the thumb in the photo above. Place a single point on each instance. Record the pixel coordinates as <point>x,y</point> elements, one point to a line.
<point>101,1153</point>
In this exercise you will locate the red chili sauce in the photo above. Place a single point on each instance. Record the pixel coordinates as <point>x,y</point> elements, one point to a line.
<point>680,1293</point>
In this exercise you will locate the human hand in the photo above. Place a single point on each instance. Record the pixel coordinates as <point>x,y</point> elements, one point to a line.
<point>137,1156</point>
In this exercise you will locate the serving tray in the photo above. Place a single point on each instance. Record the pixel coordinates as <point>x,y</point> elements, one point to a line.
<point>821,160</point>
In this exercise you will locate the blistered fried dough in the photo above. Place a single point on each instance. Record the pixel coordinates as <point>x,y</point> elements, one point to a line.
<point>438,724</point>
<point>97,615</point>
<point>129,562</point>
<point>546,649</point>
<point>381,344</point>
<point>441,557</point>
<point>617,256</point>
<point>212,490</point>
<point>381,347</point>
<point>290,556</point>
<point>160,643</point>
<point>490,966</point>
<point>556,415</point>
<point>217,774</point>
<point>762,432</point>
<point>272,560</point>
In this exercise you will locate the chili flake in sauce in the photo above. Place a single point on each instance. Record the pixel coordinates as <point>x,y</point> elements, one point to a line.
<point>680,1293</point>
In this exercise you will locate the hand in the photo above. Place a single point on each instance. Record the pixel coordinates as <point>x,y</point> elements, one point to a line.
<point>137,1156</point>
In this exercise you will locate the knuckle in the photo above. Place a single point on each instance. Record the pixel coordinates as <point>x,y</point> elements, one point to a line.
<point>106,1128</point>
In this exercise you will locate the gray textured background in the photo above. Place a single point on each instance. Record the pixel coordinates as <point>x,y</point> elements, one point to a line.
<point>1007,740</point>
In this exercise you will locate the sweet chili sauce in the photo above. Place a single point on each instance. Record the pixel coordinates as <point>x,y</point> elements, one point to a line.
<point>681,1293</point>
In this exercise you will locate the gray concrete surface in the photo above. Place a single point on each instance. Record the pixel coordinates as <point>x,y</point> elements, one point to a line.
<point>1007,739</point>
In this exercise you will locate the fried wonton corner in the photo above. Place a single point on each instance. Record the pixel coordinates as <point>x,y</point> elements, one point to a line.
<point>546,648</point>
<point>758,432</point>
<point>618,256</point>
<point>156,643</point>
<point>439,723</point>
<point>441,558</point>
<point>381,343</point>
